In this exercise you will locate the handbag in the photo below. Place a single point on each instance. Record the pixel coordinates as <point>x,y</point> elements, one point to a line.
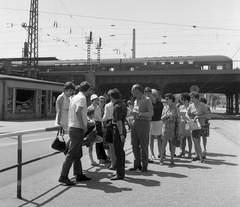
<point>192,125</point>
<point>58,144</point>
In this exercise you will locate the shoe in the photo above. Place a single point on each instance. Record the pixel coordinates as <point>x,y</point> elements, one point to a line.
<point>135,168</point>
<point>171,162</point>
<point>117,177</point>
<point>82,177</point>
<point>153,157</point>
<point>65,180</point>
<point>204,151</point>
<point>144,169</point>
<point>195,158</point>
<point>150,161</point>
<point>202,160</point>
<point>94,164</point>
<point>86,142</point>
<point>159,156</point>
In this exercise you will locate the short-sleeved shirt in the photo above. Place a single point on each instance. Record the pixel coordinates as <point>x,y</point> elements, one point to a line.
<point>144,104</point>
<point>120,114</point>
<point>78,100</point>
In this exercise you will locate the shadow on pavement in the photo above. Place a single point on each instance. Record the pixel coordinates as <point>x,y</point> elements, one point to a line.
<point>32,201</point>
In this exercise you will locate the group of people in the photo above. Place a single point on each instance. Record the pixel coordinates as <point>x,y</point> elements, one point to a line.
<point>152,118</point>
<point>74,117</point>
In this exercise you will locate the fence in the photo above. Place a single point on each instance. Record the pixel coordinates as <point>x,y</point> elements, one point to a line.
<point>19,134</point>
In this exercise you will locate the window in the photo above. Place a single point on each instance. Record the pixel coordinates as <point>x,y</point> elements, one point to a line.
<point>190,62</point>
<point>25,101</point>
<point>131,69</point>
<point>219,67</point>
<point>205,67</point>
<point>112,69</point>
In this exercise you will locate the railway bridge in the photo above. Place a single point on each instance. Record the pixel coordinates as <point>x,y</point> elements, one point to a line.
<point>168,81</point>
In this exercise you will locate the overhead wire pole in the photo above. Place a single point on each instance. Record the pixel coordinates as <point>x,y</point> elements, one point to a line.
<point>89,41</point>
<point>134,45</point>
<point>32,45</point>
<point>99,47</point>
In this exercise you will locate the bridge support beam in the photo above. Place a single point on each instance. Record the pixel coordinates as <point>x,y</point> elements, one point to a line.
<point>236,102</point>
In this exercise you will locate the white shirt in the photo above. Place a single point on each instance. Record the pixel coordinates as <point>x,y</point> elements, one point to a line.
<point>108,111</point>
<point>78,100</point>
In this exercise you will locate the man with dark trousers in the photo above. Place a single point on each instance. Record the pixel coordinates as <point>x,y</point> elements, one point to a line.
<point>77,123</point>
<point>142,114</point>
<point>119,132</point>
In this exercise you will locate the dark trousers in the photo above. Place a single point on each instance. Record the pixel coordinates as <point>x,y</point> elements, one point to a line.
<point>140,141</point>
<point>119,153</point>
<point>100,151</point>
<point>74,153</point>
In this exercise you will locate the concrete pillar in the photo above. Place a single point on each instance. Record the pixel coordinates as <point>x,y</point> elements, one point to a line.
<point>236,103</point>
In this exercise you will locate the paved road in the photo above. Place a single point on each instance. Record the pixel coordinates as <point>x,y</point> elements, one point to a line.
<point>213,183</point>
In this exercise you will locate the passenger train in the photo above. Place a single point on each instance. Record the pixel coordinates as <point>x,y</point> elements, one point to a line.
<point>211,62</point>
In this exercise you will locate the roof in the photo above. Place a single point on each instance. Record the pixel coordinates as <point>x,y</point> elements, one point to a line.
<point>26,79</point>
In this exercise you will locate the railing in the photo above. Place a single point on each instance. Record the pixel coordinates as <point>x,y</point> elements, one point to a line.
<point>19,165</point>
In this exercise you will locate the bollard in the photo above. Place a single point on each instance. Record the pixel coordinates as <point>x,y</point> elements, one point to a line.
<point>19,171</point>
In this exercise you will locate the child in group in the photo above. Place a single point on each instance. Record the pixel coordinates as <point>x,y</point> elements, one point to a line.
<point>91,136</point>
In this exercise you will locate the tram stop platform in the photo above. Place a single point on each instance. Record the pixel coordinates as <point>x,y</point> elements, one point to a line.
<point>213,183</point>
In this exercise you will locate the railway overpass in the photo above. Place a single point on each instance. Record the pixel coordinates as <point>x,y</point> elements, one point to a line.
<point>168,81</point>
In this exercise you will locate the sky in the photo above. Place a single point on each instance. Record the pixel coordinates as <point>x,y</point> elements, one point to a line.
<point>162,28</point>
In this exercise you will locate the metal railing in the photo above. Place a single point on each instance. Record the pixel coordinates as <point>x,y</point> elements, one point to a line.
<point>19,134</point>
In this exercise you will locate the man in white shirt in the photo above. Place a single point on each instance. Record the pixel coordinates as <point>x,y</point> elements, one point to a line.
<point>77,127</point>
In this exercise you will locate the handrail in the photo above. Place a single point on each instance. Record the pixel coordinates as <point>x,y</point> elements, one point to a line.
<point>19,134</point>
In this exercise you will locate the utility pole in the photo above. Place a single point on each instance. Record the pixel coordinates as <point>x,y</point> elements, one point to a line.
<point>134,45</point>
<point>32,45</point>
<point>98,47</point>
<point>89,41</point>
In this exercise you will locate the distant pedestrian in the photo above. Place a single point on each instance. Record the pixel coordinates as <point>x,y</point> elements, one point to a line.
<point>62,106</point>
<point>77,127</point>
<point>119,132</point>
<point>142,115</point>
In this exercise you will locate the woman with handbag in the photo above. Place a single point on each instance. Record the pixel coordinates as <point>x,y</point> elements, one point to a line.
<point>170,116</point>
<point>198,112</point>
